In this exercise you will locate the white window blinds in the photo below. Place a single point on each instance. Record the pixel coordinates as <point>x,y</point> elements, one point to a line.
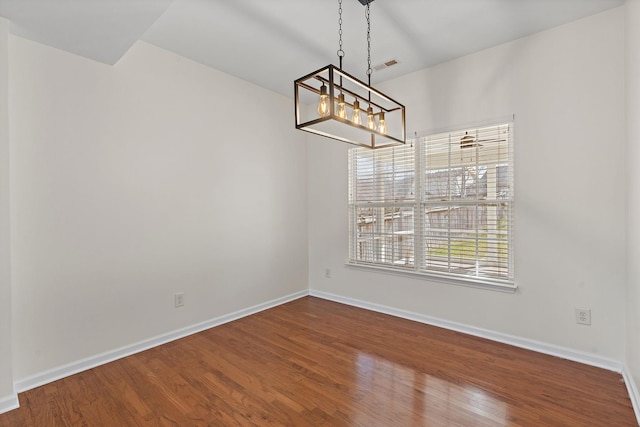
<point>382,205</point>
<point>440,205</point>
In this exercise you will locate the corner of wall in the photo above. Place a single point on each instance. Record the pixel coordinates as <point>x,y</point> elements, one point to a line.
<point>632,107</point>
<point>6,366</point>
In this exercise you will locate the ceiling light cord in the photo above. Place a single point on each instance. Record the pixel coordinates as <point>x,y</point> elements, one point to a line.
<point>369,70</point>
<point>371,122</point>
<point>340,51</point>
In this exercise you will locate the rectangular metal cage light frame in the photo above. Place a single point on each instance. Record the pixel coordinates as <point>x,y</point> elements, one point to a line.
<point>308,90</point>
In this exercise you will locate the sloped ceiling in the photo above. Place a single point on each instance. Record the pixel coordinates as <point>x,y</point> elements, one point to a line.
<point>273,42</point>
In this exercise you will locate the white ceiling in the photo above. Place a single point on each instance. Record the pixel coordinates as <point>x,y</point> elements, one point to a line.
<point>273,42</point>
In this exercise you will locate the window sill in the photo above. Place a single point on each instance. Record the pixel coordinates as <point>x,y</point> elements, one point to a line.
<point>459,281</point>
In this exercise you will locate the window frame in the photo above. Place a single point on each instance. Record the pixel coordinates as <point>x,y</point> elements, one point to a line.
<point>498,275</point>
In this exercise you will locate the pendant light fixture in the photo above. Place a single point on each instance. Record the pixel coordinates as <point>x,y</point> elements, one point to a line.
<point>333,103</point>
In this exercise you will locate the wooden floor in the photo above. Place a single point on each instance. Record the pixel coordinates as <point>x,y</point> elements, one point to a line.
<point>313,362</point>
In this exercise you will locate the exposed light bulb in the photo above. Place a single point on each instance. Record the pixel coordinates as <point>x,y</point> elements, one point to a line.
<point>356,119</point>
<point>323,104</point>
<point>382,127</point>
<point>342,111</point>
<point>371,121</point>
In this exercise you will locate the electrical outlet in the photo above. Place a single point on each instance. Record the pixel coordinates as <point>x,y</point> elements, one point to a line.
<point>327,273</point>
<point>583,316</point>
<point>179,299</point>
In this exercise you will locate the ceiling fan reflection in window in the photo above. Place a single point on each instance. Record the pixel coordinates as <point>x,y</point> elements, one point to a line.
<point>471,177</point>
<point>470,141</point>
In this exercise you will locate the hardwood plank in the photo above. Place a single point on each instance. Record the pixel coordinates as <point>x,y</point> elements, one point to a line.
<point>313,362</point>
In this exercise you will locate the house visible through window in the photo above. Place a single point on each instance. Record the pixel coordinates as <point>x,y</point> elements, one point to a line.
<point>440,205</point>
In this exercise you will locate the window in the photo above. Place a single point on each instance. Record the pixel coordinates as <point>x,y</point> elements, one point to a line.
<point>440,205</point>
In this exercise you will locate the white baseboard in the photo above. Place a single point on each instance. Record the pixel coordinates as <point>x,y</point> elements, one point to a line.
<point>633,391</point>
<point>9,403</point>
<point>540,347</point>
<point>100,359</point>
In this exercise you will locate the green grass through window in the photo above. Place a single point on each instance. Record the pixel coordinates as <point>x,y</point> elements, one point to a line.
<point>466,249</point>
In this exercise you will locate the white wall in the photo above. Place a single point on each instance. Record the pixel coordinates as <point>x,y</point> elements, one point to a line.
<point>133,182</point>
<point>633,191</point>
<point>6,378</point>
<point>566,89</point>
